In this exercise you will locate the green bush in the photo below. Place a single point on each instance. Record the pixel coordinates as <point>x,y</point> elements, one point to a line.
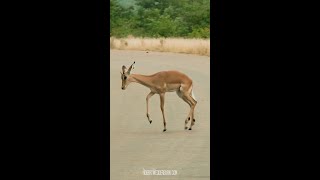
<point>163,18</point>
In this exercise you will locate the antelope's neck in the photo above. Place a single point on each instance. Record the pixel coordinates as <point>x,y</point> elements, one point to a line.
<point>142,79</point>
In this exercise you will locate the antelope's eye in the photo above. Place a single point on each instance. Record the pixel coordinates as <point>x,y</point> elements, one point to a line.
<point>125,77</point>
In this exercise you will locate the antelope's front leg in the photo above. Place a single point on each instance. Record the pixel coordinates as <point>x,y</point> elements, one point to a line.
<point>162,110</point>
<point>149,96</point>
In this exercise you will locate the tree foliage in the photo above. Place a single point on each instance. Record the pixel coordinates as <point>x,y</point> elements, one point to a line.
<point>160,18</point>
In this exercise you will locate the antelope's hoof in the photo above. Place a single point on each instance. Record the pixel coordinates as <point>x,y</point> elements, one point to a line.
<point>194,120</point>
<point>164,130</point>
<point>185,128</point>
<point>190,129</point>
<point>150,122</point>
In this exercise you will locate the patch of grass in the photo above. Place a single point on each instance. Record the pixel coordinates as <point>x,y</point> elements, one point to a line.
<point>177,45</point>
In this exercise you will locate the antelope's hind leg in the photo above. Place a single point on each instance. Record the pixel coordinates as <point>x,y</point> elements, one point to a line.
<point>185,99</point>
<point>162,110</point>
<point>189,117</point>
<point>193,105</point>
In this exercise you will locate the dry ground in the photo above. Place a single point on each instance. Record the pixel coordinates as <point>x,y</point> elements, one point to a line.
<point>136,144</point>
<point>177,45</point>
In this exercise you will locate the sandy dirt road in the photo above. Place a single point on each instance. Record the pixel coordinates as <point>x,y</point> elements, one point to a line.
<point>136,144</point>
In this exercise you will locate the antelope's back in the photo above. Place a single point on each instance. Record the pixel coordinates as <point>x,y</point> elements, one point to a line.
<point>173,77</point>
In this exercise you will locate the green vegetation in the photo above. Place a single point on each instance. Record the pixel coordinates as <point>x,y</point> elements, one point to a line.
<point>160,18</point>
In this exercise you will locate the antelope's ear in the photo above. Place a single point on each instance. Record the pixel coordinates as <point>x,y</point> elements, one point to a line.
<point>124,69</point>
<point>131,67</point>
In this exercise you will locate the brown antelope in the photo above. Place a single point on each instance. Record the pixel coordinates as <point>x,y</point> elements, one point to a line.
<point>160,83</point>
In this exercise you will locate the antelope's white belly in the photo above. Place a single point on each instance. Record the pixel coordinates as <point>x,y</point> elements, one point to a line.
<point>172,87</point>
